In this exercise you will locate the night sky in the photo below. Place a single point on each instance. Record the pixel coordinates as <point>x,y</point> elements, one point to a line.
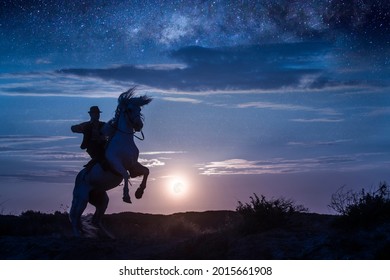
<point>282,98</point>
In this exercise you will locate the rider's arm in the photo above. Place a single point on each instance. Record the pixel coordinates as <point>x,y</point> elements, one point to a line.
<point>78,128</point>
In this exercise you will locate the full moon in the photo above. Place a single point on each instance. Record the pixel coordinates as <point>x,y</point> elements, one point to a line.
<point>177,186</point>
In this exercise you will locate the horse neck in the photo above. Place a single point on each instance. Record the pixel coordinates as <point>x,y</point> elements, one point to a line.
<point>123,125</point>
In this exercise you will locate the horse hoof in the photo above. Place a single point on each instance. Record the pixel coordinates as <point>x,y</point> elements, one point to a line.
<point>139,192</point>
<point>126,199</point>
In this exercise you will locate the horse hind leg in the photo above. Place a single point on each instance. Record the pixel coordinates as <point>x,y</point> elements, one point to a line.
<point>79,203</point>
<point>76,210</point>
<point>100,200</point>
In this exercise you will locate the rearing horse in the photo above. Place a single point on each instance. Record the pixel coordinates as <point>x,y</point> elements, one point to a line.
<point>122,157</point>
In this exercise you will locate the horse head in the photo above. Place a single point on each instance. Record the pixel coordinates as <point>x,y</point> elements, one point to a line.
<point>131,107</point>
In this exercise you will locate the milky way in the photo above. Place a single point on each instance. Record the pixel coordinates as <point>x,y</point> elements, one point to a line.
<point>98,32</point>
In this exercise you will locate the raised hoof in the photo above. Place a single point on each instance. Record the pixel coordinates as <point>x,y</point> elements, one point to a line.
<point>139,193</point>
<point>126,199</point>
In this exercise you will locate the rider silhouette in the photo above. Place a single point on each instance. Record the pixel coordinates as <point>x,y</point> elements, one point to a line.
<point>93,140</point>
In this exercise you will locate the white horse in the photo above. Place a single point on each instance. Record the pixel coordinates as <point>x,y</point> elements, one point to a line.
<point>91,185</point>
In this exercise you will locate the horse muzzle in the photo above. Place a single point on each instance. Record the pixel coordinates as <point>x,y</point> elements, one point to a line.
<point>138,126</point>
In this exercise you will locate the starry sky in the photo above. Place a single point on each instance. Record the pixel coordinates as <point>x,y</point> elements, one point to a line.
<point>282,98</point>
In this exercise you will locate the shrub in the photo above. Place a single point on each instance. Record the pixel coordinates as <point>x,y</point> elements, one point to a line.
<point>363,208</point>
<point>262,214</point>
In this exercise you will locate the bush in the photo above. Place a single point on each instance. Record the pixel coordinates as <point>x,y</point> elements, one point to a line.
<point>262,214</point>
<point>364,208</point>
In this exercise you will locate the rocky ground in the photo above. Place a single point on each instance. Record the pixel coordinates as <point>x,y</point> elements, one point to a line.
<point>191,235</point>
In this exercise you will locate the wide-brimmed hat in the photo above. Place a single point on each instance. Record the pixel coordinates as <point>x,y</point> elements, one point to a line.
<point>94,109</point>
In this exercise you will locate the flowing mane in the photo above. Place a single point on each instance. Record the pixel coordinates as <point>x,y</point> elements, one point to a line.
<point>127,98</point>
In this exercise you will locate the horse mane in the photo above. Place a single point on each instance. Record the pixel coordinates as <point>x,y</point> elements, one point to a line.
<point>128,97</point>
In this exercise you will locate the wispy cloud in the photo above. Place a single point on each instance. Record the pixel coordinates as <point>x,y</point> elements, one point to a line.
<point>55,121</point>
<point>151,162</point>
<point>162,152</point>
<point>158,157</point>
<point>285,66</point>
<point>346,162</point>
<point>166,66</point>
<point>46,176</point>
<point>379,111</point>
<point>13,140</point>
<point>320,143</point>
<point>287,107</point>
<point>56,84</point>
<point>43,61</point>
<point>318,120</point>
<point>196,71</point>
<point>182,99</point>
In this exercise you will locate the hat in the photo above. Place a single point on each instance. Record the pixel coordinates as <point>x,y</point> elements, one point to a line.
<point>94,109</point>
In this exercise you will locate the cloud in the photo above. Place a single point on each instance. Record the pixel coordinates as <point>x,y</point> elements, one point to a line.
<point>246,167</point>
<point>348,162</point>
<point>151,162</point>
<point>162,152</point>
<point>44,156</point>
<point>261,67</point>
<point>170,66</point>
<point>309,66</point>
<point>160,160</point>
<point>43,61</point>
<point>13,140</point>
<point>286,107</point>
<point>246,69</point>
<point>55,84</point>
<point>320,143</point>
<point>182,99</point>
<point>47,176</point>
<point>380,111</point>
<point>57,121</point>
<point>318,120</point>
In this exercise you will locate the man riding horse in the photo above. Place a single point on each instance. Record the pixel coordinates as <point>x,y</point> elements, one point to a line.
<point>93,140</point>
<point>121,155</point>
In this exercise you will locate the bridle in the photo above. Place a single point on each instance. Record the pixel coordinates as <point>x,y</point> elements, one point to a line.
<point>127,132</point>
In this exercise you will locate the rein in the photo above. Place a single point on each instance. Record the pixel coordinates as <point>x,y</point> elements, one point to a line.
<point>130,133</point>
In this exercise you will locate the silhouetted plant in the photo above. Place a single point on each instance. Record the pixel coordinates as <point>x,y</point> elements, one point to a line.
<point>261,214</point>
<point>363,208</point>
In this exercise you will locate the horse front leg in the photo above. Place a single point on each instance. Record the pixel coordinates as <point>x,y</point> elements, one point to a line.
<point>126,195</point>
<point>125,175</point>
<point>140,170</point>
